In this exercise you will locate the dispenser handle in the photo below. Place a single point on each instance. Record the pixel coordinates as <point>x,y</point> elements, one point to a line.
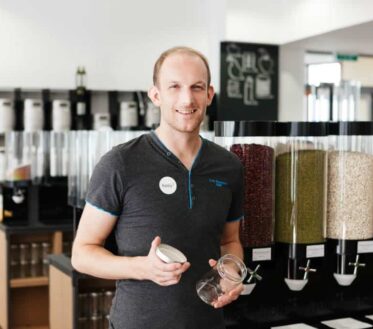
<point>254,274</point>
<point>307,269</point>
<point>357,264</point>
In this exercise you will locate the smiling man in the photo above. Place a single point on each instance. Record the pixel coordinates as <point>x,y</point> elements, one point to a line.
<point>161,186</point>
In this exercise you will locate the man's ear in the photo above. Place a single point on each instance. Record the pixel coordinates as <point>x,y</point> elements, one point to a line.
<point>153,94</point>
<point>210,95</point>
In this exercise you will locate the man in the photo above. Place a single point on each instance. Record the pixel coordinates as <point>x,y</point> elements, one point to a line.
<point>170,185</point>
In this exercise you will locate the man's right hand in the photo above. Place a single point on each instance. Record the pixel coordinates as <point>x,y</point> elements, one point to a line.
<point>160,272</point>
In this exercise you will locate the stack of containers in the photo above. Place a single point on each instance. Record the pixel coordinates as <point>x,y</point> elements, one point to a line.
<point>301,178</point>
<point>86,149</point>
<point>350,194</point>
<point>253,143</point>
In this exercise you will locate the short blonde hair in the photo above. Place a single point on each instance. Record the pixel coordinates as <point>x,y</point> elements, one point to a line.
<point>187,50</point>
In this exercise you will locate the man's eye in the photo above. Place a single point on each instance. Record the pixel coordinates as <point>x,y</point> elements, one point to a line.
<point>173,86</point>
<point>197,87</point>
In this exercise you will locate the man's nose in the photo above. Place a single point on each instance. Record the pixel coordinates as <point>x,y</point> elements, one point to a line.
<point>186,97</point>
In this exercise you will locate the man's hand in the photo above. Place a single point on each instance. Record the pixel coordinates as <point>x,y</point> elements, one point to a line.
<point>160,272</point>
<point>229,297</point>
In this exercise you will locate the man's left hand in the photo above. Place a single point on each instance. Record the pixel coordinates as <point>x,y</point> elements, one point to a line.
<point>228,297</point>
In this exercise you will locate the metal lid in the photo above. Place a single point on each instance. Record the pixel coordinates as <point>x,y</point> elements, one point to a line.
<point>170,254</point>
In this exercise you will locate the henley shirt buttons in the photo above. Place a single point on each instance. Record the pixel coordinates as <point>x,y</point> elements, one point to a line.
<point>168,153</point>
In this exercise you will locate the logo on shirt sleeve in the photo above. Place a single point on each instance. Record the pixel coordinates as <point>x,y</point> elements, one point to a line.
<point>167,185</point>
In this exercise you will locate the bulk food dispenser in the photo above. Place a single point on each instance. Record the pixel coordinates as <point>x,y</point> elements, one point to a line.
<point>16,185</point>
<point>301,177</point>
<point>253,143</point>
<point>350,196</point>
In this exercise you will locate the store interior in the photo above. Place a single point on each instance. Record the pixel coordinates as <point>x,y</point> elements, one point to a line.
<point>74,77</point>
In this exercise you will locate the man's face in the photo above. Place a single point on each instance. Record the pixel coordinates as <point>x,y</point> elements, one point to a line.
<point>182,92</point>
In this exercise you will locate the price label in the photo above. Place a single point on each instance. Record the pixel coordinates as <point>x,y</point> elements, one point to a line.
<point>260,254</point>
<point>364,247</point>
<point>316,250</point>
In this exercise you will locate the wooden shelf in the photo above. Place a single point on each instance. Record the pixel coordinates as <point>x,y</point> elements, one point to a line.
<point>29,282</point>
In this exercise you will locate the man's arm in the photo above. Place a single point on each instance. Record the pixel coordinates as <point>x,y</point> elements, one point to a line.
<point>89,255</point>
<point>230,241</point>
<point>230,244</point>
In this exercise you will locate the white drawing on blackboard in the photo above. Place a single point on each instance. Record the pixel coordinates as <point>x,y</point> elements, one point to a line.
<point>233,89</point>
<point>249,62</point>
<point>265,62</point>
<point>248,91</point>
<point>263,79</point>
<point>263,86</point>
<point>234,58</point>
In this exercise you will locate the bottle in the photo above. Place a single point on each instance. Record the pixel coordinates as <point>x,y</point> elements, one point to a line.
<point>83,117</point>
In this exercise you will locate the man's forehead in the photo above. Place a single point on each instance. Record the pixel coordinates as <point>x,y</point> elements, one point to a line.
<point>175,63</point>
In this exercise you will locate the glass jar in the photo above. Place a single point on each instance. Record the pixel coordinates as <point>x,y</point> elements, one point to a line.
<point>301,178</point>
<point>107,301</point>
<point>94,302</point>
<point>24,260</point>
<point>227,274</point>
<point>35,268</point>
<point>253,143</point>
<point>350,181</point>
<point>46,250</point>
<point>83,305</point>
<point>14,260</point>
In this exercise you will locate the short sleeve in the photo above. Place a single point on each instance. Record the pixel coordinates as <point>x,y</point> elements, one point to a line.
<point>105,190</point>
<point>237,187</point>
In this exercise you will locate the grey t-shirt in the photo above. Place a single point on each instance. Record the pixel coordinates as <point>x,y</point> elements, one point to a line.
<point>152,193</point>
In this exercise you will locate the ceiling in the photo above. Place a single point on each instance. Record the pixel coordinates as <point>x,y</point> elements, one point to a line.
<point>356,39</point>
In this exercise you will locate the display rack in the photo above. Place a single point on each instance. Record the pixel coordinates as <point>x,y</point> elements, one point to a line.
<point>18,296</point>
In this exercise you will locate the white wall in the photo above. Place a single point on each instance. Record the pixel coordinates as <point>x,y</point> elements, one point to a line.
<point>361,70</point>
<point>42,41</point>
<point>292,79</point>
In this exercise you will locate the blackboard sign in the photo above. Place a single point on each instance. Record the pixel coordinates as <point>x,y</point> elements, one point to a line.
<point>248,81</point>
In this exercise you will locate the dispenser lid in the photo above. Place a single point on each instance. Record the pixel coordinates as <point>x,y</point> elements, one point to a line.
<point>170,254</point>
<point>301,128</point>
<point>351,128</point>
<point>244,128</point>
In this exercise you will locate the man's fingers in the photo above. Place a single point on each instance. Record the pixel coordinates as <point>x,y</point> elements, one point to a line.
<point>155,243</point>
<point>212,262</point>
